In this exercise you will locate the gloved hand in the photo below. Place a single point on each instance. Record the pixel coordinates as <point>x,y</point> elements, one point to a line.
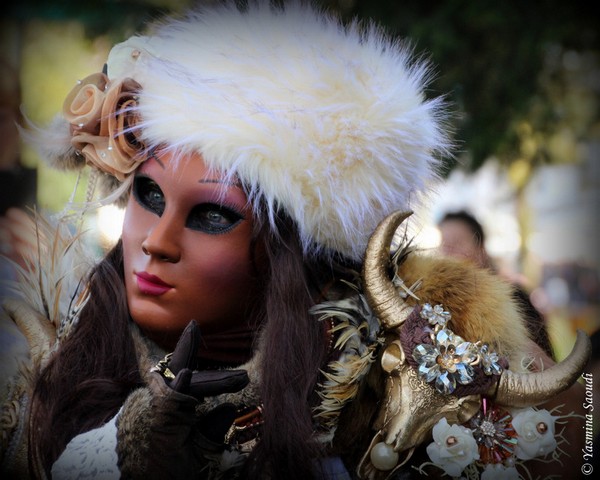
<point>179,376</point>
<point>159,434</point>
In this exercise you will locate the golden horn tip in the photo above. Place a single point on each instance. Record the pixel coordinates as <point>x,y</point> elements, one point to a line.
<point>528,389</point>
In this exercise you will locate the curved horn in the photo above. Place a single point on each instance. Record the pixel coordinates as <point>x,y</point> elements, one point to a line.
<point>528,389</point>
<point>379,290</point>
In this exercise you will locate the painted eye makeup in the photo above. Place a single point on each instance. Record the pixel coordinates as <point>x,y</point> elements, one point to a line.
<point>207,217</point>
<point>149,195</point>
<point>212,218</point>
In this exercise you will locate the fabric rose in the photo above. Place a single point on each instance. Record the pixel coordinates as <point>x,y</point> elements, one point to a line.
<point>535,433</point>
<point>497,471</point>
<point>103,119</point>
<point>83,105</point>
<point>453,447</point>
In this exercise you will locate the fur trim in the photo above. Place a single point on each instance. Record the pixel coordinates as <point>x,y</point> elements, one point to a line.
<point>327,122</point>
<point>134,425</point>
<point>249,395</point>
<point>481,303</point>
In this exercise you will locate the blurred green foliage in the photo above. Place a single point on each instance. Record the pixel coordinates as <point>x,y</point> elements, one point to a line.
<point>115,18</point>
<point>492,59</point>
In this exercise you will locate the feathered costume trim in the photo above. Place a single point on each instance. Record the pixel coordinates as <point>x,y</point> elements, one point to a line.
<point>358,336</point>
<point>46,298</point>
<point>51,280</point>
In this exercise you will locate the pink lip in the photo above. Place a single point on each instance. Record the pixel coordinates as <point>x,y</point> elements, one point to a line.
<point>151,285</point>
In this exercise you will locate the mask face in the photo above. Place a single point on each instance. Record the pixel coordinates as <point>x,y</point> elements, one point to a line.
<point>188,250</point>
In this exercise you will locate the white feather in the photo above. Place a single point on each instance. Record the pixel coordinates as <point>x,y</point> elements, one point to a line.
<point>53,143</point>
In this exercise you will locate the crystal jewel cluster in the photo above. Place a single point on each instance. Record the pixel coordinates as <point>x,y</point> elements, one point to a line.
<point>450,360</point>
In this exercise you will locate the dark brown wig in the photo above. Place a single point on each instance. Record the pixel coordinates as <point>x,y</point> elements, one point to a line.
<point>85,383</point>
<point>294,352</point>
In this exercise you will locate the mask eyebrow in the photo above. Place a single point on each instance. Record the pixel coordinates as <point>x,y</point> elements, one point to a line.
<point>229,184</point>
<point>154,157</point>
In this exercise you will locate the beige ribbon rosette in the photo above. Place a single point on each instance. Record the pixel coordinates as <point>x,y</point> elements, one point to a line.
<point>103,118</point>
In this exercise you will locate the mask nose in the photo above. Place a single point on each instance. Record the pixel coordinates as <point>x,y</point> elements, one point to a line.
<point>162,241</point>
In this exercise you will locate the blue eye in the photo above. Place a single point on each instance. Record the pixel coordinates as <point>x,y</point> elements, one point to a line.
<point>212,218</point>
<point>149,195</point>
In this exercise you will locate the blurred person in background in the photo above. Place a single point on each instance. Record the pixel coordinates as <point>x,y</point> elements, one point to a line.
<point>463,236</point>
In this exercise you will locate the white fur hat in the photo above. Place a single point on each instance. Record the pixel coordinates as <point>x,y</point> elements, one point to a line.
<point>325,121</point>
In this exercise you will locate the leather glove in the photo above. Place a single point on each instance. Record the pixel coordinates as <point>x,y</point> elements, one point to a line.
<point>159,434</point>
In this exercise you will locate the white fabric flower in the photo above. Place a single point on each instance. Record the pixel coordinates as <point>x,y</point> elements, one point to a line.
<point>453,447</point>
<point>535,430</point>
<point>497,471</point>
